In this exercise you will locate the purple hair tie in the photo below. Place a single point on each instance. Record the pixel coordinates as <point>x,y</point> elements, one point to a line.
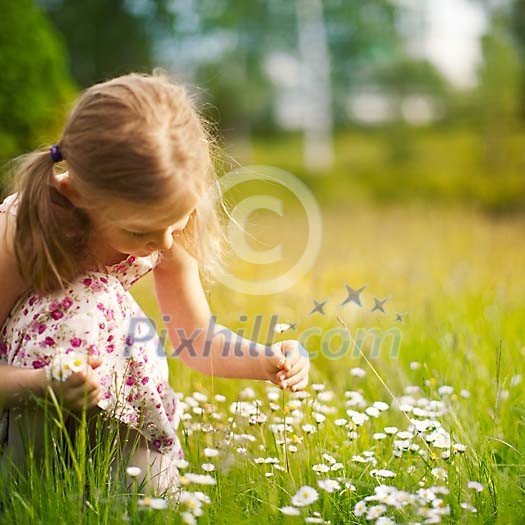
<point>55,153</point>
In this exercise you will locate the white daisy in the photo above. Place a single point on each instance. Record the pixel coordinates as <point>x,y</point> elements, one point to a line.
<point>475,485</point>
<point>188,518</point>
<point>133,472</point>
<point>467,506</point>
<point>328,485</point>
<point>281,327</point>
<point>360,508</point>
<point>309,429</point>
<point>306,495</point>
<point>459,447</point>
<point>382,473</point>
<point>439,473</point>
<point>158,503</point>
<point>200,479</point>
<point>329,459</point>
<point>375,511</point>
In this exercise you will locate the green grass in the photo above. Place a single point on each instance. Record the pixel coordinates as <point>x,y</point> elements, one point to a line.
<point>458,274</point>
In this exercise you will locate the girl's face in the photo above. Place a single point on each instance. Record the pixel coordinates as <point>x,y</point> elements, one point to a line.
<point>122,230</point>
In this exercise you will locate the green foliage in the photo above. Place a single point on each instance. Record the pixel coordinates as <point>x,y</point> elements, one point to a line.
<point>35,83</point>
<point>106,38</point>
<point>445,166</point>
<point>517,24</point>
<point>240,36</point>
<point>497,99</point>
<point>499,77</point>
<point>406,76</point>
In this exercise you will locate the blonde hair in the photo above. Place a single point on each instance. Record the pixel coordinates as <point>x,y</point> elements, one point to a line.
<point>136,138</point>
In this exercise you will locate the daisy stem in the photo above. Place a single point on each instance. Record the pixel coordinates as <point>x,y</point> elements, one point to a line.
<point>284,427</point>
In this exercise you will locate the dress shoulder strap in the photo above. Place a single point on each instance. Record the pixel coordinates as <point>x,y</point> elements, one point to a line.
<point>10,204</point>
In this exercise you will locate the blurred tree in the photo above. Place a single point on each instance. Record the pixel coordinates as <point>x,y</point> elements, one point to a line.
<point>419,94</point>
<point>405,76</point>
<point>232,43</point>
<point>362,36</point>
<point>498,93</point>
<point>518,29</point>
<point>318,148</point>
<point>35,82</point>
<point>106,38</point>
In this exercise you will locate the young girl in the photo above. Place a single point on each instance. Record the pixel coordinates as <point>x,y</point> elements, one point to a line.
<point>139,194</point>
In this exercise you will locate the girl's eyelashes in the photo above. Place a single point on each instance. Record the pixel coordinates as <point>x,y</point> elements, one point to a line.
<point>136,234</point>
<point>176,230</point>
<point>142,234</point>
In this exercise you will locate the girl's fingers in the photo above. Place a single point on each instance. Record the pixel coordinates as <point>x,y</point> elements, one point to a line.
<point>292,355</point>
<point>81,378</point>
<point>94,361</point>
<point>93,399</point>
<point>299,365</point>
<point>81,391</point>
<point>301,385</point>
<point>295,351</point>
<point>276,355</point>
<point>299,376</point>
<point>83,399</point>
<point>91,387</point>
<point>76,379</point>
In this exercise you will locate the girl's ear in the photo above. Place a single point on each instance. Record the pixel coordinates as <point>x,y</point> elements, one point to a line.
<point>65,186</point>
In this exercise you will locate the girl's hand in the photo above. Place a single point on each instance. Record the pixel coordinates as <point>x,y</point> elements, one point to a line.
<point>80,389</point>
<point>288,365</point>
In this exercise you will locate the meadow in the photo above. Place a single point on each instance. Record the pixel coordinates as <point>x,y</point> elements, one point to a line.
<point>428,432</point>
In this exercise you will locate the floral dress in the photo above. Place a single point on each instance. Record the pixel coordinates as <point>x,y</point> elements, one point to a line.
<point>98,316</point>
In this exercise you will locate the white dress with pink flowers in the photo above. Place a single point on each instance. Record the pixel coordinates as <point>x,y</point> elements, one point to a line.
<point>98,316</point>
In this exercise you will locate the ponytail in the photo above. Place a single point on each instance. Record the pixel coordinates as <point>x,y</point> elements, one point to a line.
<point>51,234</point>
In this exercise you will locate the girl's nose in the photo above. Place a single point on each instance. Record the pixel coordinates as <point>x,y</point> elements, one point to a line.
<point>163,242</point>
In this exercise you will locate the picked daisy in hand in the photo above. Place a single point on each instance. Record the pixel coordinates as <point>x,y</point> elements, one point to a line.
<point>64,364</point>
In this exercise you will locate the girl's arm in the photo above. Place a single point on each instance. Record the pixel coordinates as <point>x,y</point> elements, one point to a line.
<point>11,283</point>
<point>180,296</point>
<point>18,385</point>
